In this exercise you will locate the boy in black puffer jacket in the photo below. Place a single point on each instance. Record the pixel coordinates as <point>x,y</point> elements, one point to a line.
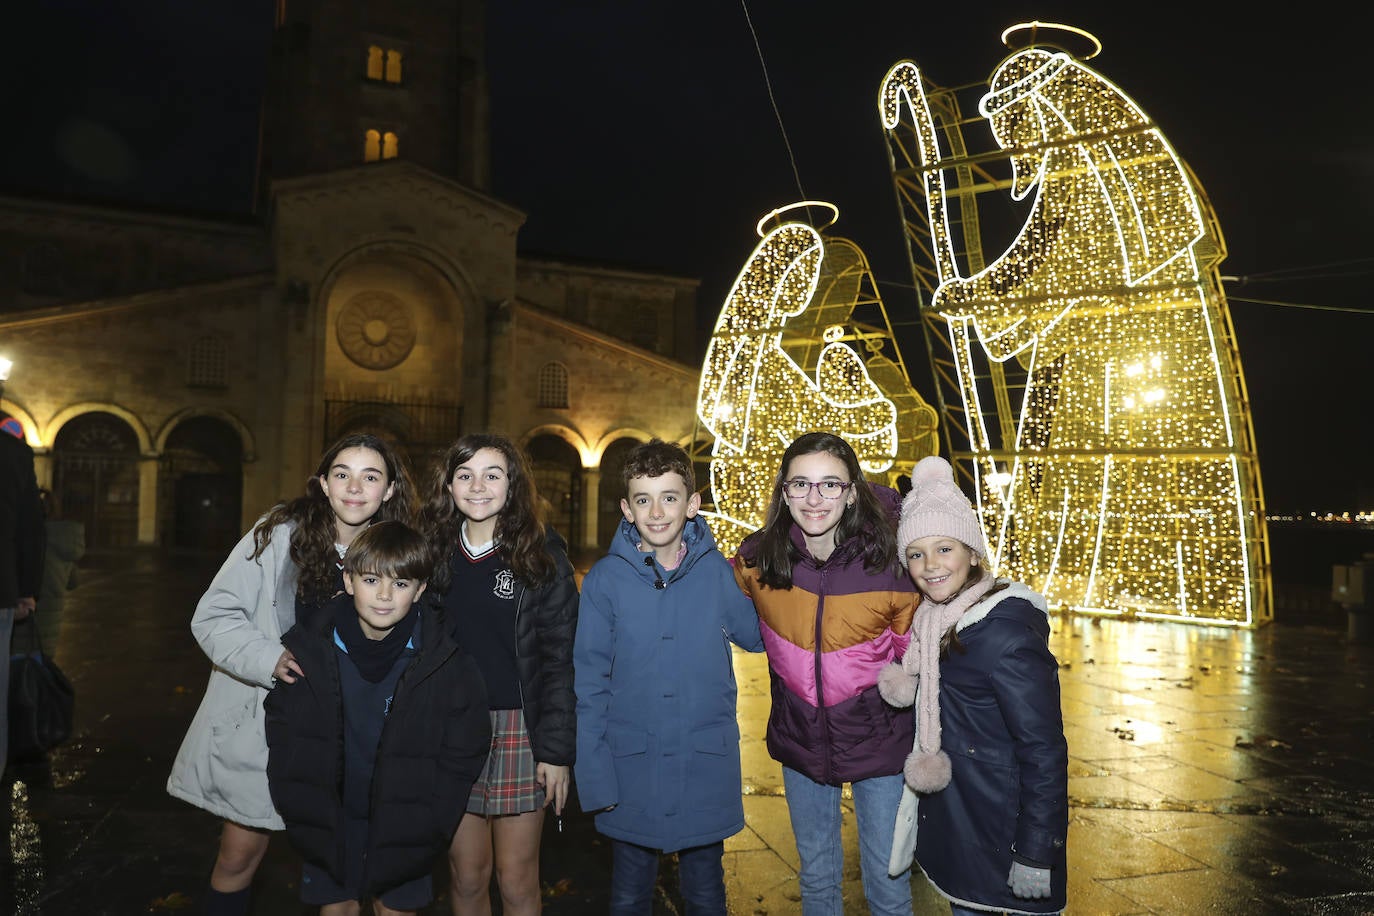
<point>393,705</point>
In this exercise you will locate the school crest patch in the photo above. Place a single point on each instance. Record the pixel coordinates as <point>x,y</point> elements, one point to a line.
<point>505,584</point>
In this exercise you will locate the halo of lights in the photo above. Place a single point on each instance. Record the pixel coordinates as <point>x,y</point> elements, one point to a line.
<point>802,343</point>
<point>1089,377</point>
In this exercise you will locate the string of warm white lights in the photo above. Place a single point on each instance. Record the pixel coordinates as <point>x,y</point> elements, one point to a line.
<point>794,350</point>
<point>1093,362</point>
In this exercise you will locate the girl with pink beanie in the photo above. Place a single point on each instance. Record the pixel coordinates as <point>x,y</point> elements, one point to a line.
<point>987,779</point>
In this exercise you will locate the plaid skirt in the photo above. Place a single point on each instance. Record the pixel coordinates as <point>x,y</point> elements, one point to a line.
<point>507,784</point>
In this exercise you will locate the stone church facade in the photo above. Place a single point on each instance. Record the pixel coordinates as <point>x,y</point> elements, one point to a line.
<point>176,376</point>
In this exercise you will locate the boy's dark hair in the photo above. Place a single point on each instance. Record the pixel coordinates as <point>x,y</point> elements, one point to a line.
<point>656,458</point>
<point>393,549</point>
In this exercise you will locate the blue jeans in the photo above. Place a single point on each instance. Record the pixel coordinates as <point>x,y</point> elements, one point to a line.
<point>700,872</point>
<point>815,813</point>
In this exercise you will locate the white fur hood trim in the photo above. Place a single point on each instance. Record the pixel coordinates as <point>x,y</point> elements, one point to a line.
<point>1013,590</point>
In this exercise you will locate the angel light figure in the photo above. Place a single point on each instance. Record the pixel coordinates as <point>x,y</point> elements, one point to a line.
<point>785,359</point>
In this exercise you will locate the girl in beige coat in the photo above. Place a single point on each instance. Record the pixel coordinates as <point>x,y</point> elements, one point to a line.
<point>288,564</point>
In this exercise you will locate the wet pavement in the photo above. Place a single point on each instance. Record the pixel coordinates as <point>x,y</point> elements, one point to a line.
<point>1211,770</point>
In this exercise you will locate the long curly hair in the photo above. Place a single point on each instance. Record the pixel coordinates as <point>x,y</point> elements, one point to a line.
<point>866,518</point>
<point>520,531</point>
<point>314,534</point>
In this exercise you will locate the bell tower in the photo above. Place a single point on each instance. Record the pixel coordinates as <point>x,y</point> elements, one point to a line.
<point>353,82</point>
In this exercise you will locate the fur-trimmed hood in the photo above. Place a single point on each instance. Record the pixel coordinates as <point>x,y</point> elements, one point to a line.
<point>995,597</point>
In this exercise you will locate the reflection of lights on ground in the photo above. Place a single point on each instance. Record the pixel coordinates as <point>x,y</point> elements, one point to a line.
<point>1137,731</point>
<point>26,849</point>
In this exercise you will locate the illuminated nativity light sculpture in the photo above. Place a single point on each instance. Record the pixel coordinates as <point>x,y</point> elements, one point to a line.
<point>1088,376</point>
<point>802,343</point>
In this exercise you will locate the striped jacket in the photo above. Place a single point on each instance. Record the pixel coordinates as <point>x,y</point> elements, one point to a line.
<point>827,637</point>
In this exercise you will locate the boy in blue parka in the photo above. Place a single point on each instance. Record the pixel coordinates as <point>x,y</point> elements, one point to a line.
<point>657,739</point>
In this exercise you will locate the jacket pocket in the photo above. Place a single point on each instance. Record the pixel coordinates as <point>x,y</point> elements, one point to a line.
<point>625,744</point>
<point>986,779</point>
<point>867,718</point>
<point>714,741</point>
<point>633,775</point>
<point>237,764</point>
<point>713,777</point>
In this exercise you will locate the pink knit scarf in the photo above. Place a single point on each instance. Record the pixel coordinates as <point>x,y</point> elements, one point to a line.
<point>929,765</point>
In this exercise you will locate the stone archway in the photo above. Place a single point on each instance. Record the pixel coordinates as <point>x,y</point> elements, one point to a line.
<point>400,340</point>
<point>96,477</point>
<point>557,475</point>
<point>612,489</point>
<point>200,485</point>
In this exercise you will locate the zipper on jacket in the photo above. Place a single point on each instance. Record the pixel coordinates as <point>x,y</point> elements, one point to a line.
<point>821,715</point>
<point>519,681</point>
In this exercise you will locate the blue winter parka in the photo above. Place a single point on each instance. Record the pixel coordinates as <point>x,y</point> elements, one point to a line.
<point>657,736</point>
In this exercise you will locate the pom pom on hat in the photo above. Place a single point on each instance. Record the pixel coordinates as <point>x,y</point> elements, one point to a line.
<point>936,507</point>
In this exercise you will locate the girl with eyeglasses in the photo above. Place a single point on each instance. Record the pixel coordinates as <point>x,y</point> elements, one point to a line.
<point>835,606</point>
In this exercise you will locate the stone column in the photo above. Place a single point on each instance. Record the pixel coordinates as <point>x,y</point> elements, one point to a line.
<point>42,468</point>
<point>147,499</point>
<point>591,508</point>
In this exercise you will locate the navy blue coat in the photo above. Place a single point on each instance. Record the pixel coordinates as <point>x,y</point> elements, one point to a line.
<point>656,730</point>
<point>433,748</point>
<point>1003,729</point>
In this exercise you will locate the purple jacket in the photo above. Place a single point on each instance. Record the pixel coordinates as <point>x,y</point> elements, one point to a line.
<point>827,637</point>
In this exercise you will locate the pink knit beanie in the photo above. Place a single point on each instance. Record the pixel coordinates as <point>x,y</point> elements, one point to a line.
<point>936,507</point>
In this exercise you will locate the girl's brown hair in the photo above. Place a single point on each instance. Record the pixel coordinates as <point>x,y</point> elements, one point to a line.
<point>314,535</point>
<point>866,517</point>
<point>520,534</point>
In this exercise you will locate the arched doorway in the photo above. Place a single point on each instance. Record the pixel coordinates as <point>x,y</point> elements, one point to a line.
<point>201,485</point>
<point>557,473</point>
<point>612,489</point>
<point>95,477</point>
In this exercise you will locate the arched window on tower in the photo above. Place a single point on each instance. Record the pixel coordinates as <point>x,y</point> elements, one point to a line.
<point>389,146</point>
<point>553,386</point>
<point>393,66</point>
<point>372,146</point>
<point>374,63</point>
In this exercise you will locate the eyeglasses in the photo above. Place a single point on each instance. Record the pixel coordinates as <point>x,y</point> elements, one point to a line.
<point>801,489</point>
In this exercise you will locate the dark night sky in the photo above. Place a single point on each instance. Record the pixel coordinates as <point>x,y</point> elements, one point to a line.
<point>641,134</point>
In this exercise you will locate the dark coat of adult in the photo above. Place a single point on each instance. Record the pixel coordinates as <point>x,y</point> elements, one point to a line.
<point>1002,727</point>
<point>657,731</point>
<point>434,745</point>
<point>545,626</point>
<point>21,524</point>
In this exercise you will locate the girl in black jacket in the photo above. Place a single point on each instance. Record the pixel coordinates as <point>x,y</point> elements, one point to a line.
<point>511,600</point>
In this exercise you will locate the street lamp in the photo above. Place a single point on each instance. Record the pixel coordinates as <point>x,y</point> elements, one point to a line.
<point>5,366</point>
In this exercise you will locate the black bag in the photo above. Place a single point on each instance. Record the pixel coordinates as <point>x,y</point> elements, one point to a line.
<point>41,703</point>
